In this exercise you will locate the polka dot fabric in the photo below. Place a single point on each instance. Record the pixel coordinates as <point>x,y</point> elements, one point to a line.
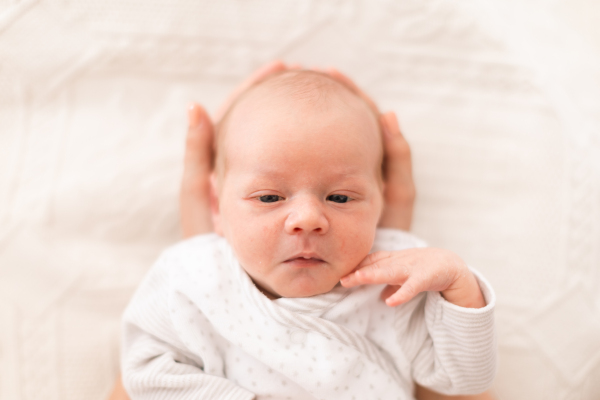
<point>199,326</point>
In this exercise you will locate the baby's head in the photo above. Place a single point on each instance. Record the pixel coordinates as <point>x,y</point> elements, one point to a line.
<point>298,181</point>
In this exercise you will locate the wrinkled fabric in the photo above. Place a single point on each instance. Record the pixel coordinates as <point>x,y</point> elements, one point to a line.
<point>198,327</point>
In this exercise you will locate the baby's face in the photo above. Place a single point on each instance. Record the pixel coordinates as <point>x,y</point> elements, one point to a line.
<point>301,196</point>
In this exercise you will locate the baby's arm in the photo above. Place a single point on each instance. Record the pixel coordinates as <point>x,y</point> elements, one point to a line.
<point>155,364</point>
<point>412,271</point>
<point>456,354</point>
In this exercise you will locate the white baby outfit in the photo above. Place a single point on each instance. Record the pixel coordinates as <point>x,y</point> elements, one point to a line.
<point>198,328</point>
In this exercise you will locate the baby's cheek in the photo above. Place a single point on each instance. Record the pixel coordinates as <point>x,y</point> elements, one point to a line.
<point>267,230</point>
<point>262,238</point>
<point>355,244</point>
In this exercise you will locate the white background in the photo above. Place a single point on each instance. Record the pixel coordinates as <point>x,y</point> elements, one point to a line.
<point>499,100</point>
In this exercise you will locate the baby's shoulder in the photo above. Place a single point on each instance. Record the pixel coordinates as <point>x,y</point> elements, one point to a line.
<point>196,244</point>
<point>195,250</point>
<point>202,260</point>
<point>388,239</point>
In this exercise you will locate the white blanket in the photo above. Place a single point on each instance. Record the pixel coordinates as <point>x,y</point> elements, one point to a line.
<point>500,101</point>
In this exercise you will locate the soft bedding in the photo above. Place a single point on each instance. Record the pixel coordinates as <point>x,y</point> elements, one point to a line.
<point>499,100</point>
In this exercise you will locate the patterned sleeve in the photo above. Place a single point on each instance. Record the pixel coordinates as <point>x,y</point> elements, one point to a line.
<point>458,352</point>
<point>155,364</point>
<point>450,349</point>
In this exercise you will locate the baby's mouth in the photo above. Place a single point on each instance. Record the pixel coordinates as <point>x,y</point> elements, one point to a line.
<point>304,261</point>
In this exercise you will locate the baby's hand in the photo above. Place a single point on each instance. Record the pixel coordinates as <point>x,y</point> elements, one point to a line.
<point>409,272</point>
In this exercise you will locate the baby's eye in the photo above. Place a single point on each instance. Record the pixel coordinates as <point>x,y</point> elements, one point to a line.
<point>338,198</point>
<point>269,198</point>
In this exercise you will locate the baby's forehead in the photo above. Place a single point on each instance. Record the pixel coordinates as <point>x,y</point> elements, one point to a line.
<point>300,97</point>
<point>302,88</point>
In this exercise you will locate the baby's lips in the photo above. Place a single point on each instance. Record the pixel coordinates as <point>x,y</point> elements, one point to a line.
<point>305,255</point>
<point>304,260</point>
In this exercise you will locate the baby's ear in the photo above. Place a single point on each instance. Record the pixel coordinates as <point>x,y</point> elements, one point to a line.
<point>214,204</point>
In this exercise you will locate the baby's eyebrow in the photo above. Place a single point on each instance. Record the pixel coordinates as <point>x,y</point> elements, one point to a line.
<point>274,178</point>
<point>275,173</point>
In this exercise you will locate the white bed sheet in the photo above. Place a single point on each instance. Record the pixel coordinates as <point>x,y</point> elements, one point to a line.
<point>499,101</point>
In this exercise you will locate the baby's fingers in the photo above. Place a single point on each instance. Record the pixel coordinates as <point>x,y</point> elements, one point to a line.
<point>407,291</point>
<point>388,291</point>
<point>394,295</point>
<point>377,268</point>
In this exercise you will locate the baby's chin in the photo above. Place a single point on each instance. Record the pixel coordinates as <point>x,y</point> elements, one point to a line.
<point>300,288</point>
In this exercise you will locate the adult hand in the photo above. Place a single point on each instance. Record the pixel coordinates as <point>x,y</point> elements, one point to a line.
<point>195,216</point>
<point>194,197</point>
<point>399,193</point>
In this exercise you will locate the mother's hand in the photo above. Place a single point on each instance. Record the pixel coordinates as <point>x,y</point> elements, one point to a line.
<point>399,193</point>
<point>195,194</point>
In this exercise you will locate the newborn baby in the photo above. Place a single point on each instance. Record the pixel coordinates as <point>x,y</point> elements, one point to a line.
<point>275,304</point>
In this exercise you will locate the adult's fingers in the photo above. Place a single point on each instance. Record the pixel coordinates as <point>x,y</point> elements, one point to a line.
<point>260,73</point>
<point>198,144</point>
<point>396,146</point>
<point>119,392</point>
<point>400,190</point>
<point>340,77</point>
<point>194,195</point>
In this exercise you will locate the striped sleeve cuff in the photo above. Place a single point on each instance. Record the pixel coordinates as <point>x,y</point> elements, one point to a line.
<point>463,316</point>
<point>464,341</point>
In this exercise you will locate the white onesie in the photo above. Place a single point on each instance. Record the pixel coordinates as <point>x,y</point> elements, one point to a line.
<point>198,328</point>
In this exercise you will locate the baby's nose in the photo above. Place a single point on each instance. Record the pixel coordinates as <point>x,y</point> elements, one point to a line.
<point>307,216</point>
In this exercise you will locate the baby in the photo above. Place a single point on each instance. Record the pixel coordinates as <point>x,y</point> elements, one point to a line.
<point>284,301</point>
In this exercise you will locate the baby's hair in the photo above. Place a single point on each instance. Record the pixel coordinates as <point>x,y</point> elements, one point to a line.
<point>310,87</point>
